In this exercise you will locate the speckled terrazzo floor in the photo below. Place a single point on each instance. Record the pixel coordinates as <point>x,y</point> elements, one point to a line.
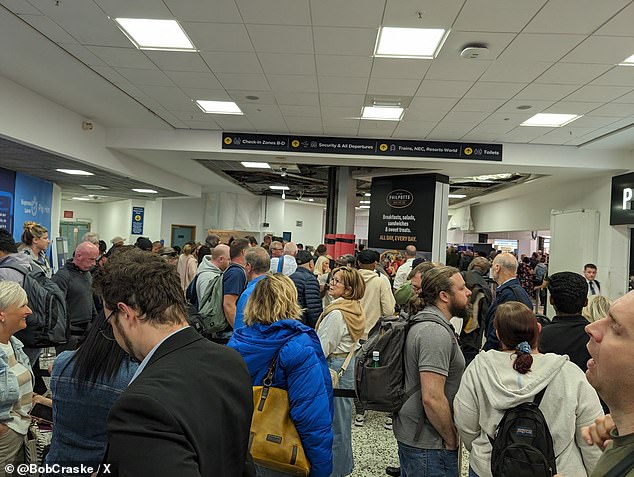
<point>375,448</point>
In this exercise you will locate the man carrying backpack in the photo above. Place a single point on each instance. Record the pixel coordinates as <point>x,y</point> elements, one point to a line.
<point>480,301</point>
<point>424,428</point>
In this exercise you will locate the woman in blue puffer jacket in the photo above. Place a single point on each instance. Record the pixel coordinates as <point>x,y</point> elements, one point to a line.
<point>273,328</point>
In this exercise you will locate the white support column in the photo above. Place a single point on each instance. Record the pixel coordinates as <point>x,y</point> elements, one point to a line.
<point>441,219</point>
<point>346,200</point>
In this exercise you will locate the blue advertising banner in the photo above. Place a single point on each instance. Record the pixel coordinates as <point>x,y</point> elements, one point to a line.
<point>137,220</point>
<point>33,202</point>
<point>7,189</point>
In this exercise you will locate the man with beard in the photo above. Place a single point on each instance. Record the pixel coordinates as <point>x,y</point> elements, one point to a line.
<point>424,428</point>
<point>504,273</point>
<point>188,408</point>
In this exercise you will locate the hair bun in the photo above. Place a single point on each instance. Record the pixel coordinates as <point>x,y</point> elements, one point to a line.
<point>28,225</point>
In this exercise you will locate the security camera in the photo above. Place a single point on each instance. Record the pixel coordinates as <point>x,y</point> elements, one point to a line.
<point>283,169</point>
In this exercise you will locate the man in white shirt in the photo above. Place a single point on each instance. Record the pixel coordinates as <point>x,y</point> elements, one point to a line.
<point>590,272</point>
<point>403,270</point>
<point>285,264</point>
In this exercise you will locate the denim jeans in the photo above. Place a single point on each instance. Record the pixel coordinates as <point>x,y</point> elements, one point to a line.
<point>417,462</point>
<point>472,473</point>
<point>342,459</point>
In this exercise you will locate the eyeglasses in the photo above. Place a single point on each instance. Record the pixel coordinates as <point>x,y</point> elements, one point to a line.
<point>106,329</point>
<point>336,281</point>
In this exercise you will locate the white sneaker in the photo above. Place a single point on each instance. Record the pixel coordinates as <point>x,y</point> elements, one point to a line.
<point>359,420</point>
<point>388,424</point>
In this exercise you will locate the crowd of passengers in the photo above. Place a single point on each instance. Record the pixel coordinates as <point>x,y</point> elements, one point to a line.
<point>138,386</point>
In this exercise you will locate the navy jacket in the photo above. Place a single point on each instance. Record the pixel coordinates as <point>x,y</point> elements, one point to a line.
<point>303,372</point>
<point>308,295</point>
<point>505,292</point>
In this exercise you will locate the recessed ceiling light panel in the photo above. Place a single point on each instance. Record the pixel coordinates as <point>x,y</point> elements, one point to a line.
<point>145,191</point>
<point>550,120</point>
<point>279,187</point>
<point>75,172</point>
<point>218,107</point>
<point>456,196</point>
<point>364,207</point>
<point>627,61</point>
<point>148,34</point>
<point>382,113</point>
<point>410,42</point>
<point>368,194</point>
<point>81,198</point>
<point>256,165</point>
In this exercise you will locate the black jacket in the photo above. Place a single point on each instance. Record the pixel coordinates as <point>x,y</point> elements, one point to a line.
<point>187,414</point>
<point>567,335</point>
<point>77,287</point>
<point>308,295</point>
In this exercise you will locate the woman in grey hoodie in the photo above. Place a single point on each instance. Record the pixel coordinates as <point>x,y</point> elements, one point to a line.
<point>498,380</point>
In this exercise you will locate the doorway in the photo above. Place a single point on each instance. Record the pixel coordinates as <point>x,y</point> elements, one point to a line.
<point>73,232</point>
<point>181,234</point>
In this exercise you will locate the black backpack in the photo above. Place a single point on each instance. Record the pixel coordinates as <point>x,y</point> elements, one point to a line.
<point>522,445</point>
<point>48,324</point>
<point>474,326</point>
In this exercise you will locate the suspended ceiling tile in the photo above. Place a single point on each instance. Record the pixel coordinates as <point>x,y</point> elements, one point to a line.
<point>225,37</point>
<point>233,123</point>
<point>524,134</point>
<point>478,105</point>
<point>562,135</point>
<point>507,119</point>
<point>83,54</point>
<point>617,76</point>
<point>275,12</point>
<point>178,61</point>
<point>453,70</point>
<point>297,123</point>
<point>546,91</point>
<point>572,107</point>
<point>187,79</point>
<point>405,13</point>
<point>20,7</point>
<point>600,94</point>
<point>171,98</point>
<point>377,129</point>
<point>138,9</point>
<point>515,71</point>
<point>471,117</point>
<point>352,13</point>
<point>128,57</point>
<point>574,16</point>
<point>620,110</point>
<point>218,11</point>
<point>393,87</point>
<point>234,62</point>
<point>338,65</point>
<point>627,98</point>
<point>341,84</point>
<point>204,125</point>
<point>420,107</point>
<point>209,94</point>
<point>495,43</point>
<point>243,82</point>
<point>344,41</point>
<point>334,99</point>
<point>413,130</point>
<point>111,75</point>
<point>287,64</point>
<point>572,73</point>
<point>145,77</point>
<point>492,129</point>
<point>400,68</point>
<point>594,121</point>
<point>449,131</point>
<point>476,15</point>
<point>605,50</point>
<point>541,47</point>
<point>341,132</point>
<point>297,99</point>
<point>194,114</point>
<point>620,25</point>
<point>536,106</point>
<point>293,83</point>
<point>443,89</point>
<point>303,111</point>
<point>330,112</point>
<point>49,28</point>
<point>281,39</point>
<point>245,97</point>
<point>494,90</point>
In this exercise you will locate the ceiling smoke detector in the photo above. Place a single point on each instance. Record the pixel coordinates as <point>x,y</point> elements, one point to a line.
<point>474,52</point>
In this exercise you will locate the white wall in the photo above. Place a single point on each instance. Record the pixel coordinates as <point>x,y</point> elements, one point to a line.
<point>152,218</point>
<point>361,224</point>
<point>530,210</point>
<point>182,212</point>
<point>84,211</point>
<point>312,230</point>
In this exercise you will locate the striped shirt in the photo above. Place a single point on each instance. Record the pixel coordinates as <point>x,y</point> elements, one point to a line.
<point>20,411</point>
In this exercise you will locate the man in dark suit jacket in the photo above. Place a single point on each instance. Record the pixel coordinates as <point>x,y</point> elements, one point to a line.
<point>566,334</point>
<point>188,409</point>
<point>504,273</point>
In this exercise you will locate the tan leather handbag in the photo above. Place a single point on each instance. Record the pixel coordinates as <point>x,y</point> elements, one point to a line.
<point>274,442</point>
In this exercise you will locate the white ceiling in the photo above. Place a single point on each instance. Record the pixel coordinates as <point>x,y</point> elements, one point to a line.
<point>310,64</point>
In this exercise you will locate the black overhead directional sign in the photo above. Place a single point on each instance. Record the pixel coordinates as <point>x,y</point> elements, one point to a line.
<point>362,146</point>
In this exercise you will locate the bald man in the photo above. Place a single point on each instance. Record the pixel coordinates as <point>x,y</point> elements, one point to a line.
<point>211,266</point>
<point>75,281</point>
<point>403,271</point>
<point>504,273</point>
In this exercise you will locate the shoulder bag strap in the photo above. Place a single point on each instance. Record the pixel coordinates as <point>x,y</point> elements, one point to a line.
<point>623,467</point>
<point>345,364</point>
<point>539,396</point>
<point>280,264</point>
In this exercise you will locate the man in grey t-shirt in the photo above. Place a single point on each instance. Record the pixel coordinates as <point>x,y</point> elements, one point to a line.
<point>424,428</point>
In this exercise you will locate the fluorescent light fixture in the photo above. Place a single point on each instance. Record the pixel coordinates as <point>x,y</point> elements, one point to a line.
<point>550,120</point>
<point>75,172</point>
<point>364,207</point>
<point>81,198</point>
<point>94,187</point>
<point>410,42</point>
<point>276,187</point>
<point>218,107</point>
<point>256,165</point>
<point>311,200</point>
<point>145,191</point>
<point>456,196</point>
<point>367,194</point>
<point>364,202</point>
<point>382,113</point>
<point>627,61</point>
<point>148,34</point>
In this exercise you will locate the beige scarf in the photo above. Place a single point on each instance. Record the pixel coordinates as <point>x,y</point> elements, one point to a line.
<point>352,313</point>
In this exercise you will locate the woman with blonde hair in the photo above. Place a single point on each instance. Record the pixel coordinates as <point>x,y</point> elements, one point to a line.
<point>339,328</point>
<point>499,380</point>
<point>597,308</point>
<point>187,264</point>
<point>35,237</point>
<point>16,378</point>
<point>273,331</point>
